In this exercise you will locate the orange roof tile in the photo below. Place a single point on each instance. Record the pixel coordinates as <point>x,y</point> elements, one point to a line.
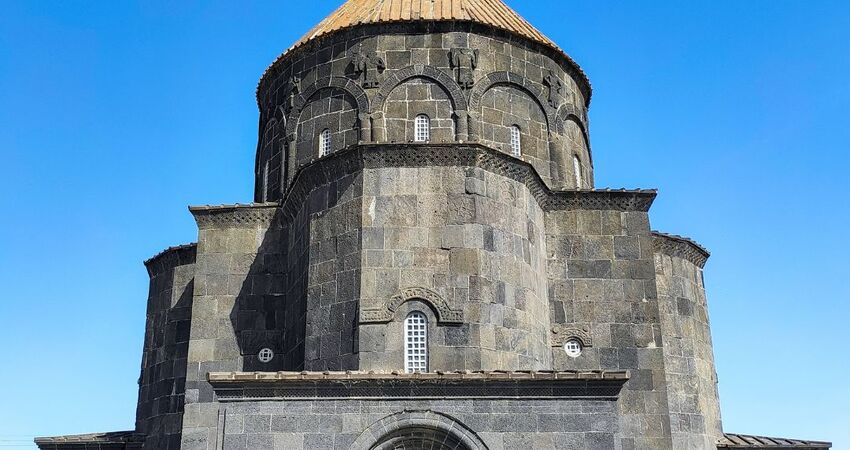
<point>489,12</point>
<point>494,13</point>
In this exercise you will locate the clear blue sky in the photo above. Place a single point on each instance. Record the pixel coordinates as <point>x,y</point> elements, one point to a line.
<point>116,115</point>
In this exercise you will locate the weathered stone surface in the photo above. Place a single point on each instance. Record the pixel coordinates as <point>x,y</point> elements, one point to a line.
<point>425,73</point>
<point>511,259</point>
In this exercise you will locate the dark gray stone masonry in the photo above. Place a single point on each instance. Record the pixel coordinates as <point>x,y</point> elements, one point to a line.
<point>470,291</point>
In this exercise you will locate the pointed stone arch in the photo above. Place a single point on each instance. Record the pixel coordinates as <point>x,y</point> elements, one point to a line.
<point>444,312</point>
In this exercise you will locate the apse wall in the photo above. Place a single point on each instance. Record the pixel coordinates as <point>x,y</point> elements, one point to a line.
<point>694,404</point>
<point>162,382</point>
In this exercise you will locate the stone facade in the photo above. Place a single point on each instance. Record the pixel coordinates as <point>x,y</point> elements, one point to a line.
<point>555,318</point>
<point>557,411</point>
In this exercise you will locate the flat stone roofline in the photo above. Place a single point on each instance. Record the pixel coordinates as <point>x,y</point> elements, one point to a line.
<point>680,247</point>
<point>255,386</point>
<point>118,440</point>
<point>732,441</point>
<point>172,256</point>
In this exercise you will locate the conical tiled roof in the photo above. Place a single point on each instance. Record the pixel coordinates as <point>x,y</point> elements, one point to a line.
<point>493,13</point>
<point>489,12</point>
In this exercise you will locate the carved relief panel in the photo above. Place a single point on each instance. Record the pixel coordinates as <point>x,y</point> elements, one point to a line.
<point>367,66</point>
<point>464,61</point>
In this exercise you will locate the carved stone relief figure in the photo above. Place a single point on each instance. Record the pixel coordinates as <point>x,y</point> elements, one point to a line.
<point>294,91</point>
<point>464,61</point>
<point>553,83</point>
<point>367,65</point>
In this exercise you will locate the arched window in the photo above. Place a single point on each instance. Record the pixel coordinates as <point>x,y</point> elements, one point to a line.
<point>420,437</point>
<point>325,143</point>
<point>516,141</point>
<point>416,343</point>
<point>577,171</point>
<point>422,128</point>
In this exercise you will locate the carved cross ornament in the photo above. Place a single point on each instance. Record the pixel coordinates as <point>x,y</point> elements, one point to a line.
<point>464,61</point>
<point>554,85</point>
<point>294,92</point>
<point>367,65</point>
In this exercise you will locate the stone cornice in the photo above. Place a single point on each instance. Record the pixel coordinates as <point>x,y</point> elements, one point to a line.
<point>180,255</point>
<point>680,247</point>
<point>122,440</point>
<point>234,216</point>
<point>234,386</point>
<point>370,156</point>
<point>732,441</point>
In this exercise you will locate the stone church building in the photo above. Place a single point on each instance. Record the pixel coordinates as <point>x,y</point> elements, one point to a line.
<point>427,264</point>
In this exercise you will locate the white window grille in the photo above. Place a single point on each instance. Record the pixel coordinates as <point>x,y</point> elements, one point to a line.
<point>416,343</point>
<point>516,141</point>
<point>577,171</point>
<point>265,355</point>
<point>573,348</point>
<point>325,143</point>
<point>422,128</point>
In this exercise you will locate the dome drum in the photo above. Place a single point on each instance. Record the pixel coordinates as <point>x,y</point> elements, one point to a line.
<point>367,86</point>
